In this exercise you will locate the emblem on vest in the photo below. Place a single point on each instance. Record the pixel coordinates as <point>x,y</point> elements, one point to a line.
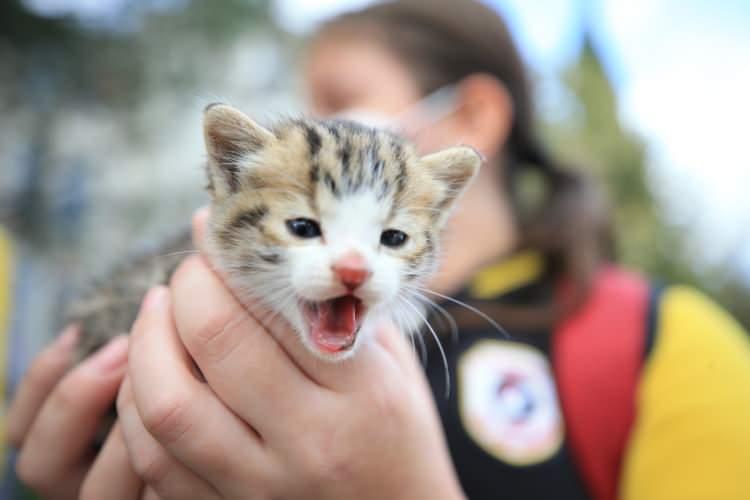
<point>508,402</point>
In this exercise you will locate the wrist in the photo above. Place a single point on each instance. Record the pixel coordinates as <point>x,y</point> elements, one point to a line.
<point>437,492</point>
<point>443,486</point>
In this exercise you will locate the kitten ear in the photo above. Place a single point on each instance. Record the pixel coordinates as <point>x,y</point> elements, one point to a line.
<point>230,136</point>
<point>454,168</point>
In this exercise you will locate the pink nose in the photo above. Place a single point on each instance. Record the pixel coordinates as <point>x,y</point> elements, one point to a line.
<point>351,270</point>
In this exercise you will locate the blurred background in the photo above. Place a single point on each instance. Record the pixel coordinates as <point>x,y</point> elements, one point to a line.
<point>101,146</point>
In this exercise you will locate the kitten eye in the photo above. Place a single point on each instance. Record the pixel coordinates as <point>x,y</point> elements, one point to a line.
<point>303,228</point>
<point>393,238</point>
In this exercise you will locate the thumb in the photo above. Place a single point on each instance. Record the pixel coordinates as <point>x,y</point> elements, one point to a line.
<point>398,346</point>
<point>200,220</point>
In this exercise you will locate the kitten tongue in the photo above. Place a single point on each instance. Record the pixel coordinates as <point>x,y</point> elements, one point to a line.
<point>334,324</point>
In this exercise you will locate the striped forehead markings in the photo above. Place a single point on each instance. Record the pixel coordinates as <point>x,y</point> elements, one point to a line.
<point>313,138</point>
<point>314,172</point>
<point>333,130</point>
<point>344,155</point>
<point>346,176</point>
<point>331,185</point>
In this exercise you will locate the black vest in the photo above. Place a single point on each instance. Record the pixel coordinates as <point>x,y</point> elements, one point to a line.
<point>502,418</point>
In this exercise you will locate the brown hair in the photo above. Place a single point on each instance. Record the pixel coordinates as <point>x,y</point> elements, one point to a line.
<point>443,42</point>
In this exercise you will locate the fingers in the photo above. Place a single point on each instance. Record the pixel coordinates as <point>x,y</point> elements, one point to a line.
<point>397,344</point>
<point>112,475</point>
<point>177,409</point>
<point>162,472</point>
<point>150,494</point>
<point>200,219</point>
<point>45,372</point>
<point>241,361</point>
<point>57,449</point>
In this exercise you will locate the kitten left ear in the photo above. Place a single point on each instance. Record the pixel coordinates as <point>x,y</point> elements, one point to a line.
<point>230,136</point>
<point>454,167</point>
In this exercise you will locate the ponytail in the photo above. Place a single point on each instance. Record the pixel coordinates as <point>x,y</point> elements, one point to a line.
<point>570,225</point>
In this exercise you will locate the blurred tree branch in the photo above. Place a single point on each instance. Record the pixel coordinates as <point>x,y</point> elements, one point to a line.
<point>645,239</point>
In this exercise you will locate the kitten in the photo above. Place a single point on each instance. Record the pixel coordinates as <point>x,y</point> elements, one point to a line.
<point>330,224</point>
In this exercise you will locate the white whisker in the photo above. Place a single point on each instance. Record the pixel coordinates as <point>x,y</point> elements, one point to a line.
<point>414,330</point>
<point>175,254</point>
<point>484,316</point>
<point>445,314</point>
<point>439,345</point>
<point>398,316</point>
<point>422,348</point>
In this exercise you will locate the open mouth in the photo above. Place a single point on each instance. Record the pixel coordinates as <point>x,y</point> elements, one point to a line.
<point>334,323</point>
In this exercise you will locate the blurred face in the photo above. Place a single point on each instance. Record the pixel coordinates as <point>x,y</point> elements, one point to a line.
<point>353,74</point>
<point>358,78</point>
<point>348,73</point>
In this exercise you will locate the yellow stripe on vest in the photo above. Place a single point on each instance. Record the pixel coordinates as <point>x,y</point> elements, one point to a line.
<point>512,273</point>
<point>6,291</point>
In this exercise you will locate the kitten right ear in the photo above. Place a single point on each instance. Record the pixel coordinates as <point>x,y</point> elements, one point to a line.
<point>230,137</point>
<point>454,168</point>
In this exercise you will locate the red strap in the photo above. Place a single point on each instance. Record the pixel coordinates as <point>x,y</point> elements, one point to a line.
<point>597,356</point>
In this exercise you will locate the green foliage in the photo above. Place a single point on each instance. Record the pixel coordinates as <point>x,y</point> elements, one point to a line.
<point>645,240</point>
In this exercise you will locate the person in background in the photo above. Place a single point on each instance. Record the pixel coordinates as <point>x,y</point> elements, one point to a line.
<point>606,386</point>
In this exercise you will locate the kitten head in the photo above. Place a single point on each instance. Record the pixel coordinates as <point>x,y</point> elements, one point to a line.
<point>331,224</point>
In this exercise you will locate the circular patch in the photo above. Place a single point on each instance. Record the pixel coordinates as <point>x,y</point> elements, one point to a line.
<point>508,403</point>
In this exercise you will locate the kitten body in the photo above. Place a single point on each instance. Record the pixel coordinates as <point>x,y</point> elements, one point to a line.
<point>332,225</point>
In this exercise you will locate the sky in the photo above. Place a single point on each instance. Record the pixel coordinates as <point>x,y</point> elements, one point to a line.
<point>682,75</point>
<point>681,71</point>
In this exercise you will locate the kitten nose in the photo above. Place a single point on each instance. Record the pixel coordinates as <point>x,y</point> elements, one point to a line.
<point>351,270</point>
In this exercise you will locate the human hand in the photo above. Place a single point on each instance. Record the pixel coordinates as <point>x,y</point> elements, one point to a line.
<point>56,413</point>
<point>269,420</point>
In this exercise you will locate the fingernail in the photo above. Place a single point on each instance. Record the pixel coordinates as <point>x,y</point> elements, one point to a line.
<point>154,298</point>
<point>201,214</point>
<point>69,337</point>
<point>113,355</point>
<point>199,223</point>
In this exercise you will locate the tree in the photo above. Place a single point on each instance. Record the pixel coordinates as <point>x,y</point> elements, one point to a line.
<point>645,238</point>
